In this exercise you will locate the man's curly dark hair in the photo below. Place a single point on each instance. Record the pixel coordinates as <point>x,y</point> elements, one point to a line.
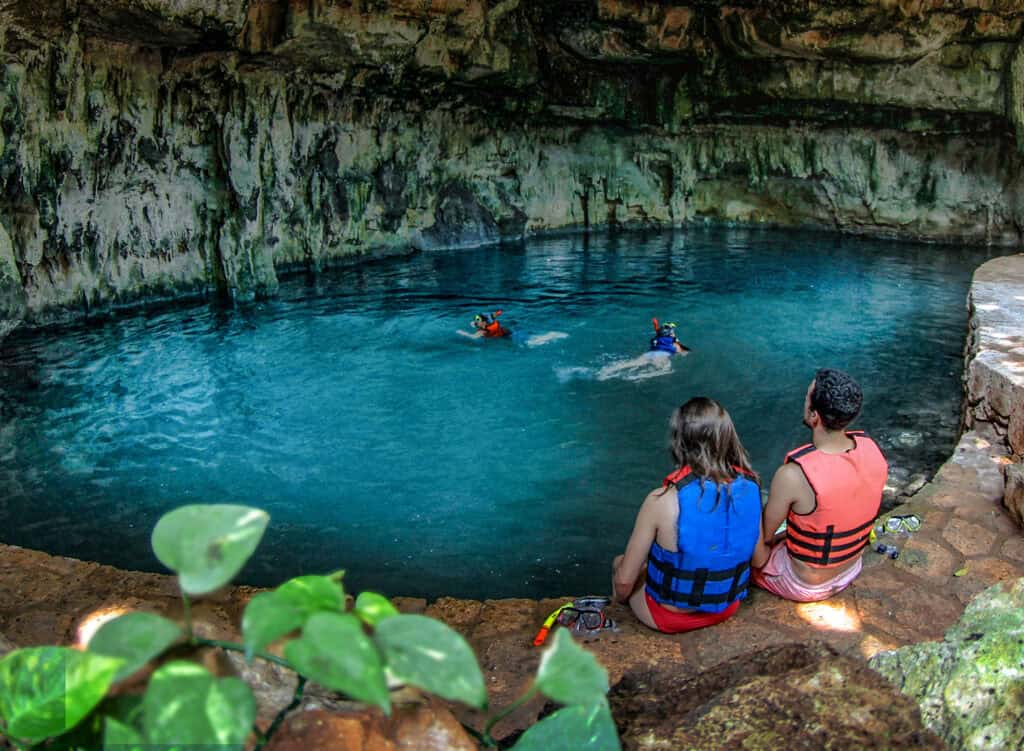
<point>836,397</point>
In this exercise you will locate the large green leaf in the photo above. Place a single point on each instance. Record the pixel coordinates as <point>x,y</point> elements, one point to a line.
<point>267,619</point>
<point>334,652</point>
<point>312,594</point>
<point>185,705</point>
<point>207,545</point>
<point>271,615</point>
<point>569,674</point>
<point>45,691</point>
<point>429,654</point>
<point>580,728</point>
<point>372,608</point>
<point>88,734</point>
<point>120,737</point>
<point>136,638</point>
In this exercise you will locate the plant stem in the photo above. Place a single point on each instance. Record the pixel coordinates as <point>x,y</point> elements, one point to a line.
<point>473,732</point>
<point>296,700</point>
<point>233,647</point>
<point>505,713</point>
<point>187,617</point>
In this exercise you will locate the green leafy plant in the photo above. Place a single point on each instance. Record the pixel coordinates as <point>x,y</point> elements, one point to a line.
<point>60,696</point>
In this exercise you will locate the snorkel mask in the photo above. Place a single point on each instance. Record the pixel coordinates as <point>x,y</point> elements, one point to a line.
<point>667,329</point>
<point>481,320</point>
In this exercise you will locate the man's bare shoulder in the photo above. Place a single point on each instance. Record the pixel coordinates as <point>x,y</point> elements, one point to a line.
<point>788,473</point>
<point>790,484</point>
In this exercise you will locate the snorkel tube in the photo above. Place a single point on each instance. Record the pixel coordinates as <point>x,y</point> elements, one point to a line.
<point>542,634</point>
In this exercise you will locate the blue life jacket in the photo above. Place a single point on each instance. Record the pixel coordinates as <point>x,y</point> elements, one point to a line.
<point>711,569</point>
<point>663,344</point>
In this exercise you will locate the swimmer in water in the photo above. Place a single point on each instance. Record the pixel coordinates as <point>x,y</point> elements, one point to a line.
<point>655,362</point>
<point>486,326</point>
<point>665,340</point>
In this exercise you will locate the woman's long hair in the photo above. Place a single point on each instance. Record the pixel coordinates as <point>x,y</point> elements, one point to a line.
<point>703,438</point>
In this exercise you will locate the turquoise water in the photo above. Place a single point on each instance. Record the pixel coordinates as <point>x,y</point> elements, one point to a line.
<point>425,463</point>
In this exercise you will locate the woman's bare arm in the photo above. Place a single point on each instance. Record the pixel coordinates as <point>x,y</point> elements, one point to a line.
<point>634,560</point>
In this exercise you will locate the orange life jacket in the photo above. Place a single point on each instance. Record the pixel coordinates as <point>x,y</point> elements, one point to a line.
<point>494,329</point>
<point>848,495</point>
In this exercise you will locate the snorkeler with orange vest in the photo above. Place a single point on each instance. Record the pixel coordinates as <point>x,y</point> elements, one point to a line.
<point>486,326</point>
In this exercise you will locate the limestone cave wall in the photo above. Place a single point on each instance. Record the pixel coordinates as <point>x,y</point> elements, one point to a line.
<point>159,148</point>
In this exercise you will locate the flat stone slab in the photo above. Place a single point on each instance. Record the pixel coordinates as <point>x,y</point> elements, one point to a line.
<point>995,371</point>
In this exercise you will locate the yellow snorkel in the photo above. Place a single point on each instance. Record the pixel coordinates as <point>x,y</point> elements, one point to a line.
<point>542,634</point>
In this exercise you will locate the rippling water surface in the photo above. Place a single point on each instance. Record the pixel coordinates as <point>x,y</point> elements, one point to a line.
<point>425,463</point>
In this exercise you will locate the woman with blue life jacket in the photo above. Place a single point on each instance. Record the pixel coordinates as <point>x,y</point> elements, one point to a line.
<point>687,563</point>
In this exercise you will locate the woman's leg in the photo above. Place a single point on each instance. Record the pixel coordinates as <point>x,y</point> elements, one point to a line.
<point>637,600</point>
<point>638,604</point>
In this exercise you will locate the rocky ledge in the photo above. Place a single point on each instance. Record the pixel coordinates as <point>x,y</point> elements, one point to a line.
<point>995,369</point>
<point>162,148</point>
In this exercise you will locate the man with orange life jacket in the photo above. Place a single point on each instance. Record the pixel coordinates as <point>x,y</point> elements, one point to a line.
<point>487,326</point>
<point>828,493</point>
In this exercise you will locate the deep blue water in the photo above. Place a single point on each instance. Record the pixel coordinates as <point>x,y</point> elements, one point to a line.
<point>425,463</point>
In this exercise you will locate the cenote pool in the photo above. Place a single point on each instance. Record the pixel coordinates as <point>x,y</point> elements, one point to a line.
<point>425,463</point>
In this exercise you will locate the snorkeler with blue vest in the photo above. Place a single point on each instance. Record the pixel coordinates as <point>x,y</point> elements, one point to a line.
<point>665,340</point>
<point>656,361</point>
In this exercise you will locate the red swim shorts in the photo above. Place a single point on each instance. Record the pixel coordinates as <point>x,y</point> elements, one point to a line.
<point>671,622</point>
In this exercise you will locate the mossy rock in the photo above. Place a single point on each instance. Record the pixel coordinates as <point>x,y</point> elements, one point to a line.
<point>790,696</point>
<point>970,687</point>
<point>12,294</point>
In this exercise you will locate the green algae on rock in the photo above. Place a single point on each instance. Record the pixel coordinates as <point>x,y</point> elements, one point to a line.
<point>970,687</point>
<point>12,296</point>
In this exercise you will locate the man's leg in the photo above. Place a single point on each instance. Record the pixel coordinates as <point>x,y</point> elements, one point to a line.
<point>778,577</point>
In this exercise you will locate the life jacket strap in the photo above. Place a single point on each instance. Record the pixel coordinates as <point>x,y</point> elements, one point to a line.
<point>831,560</point>
<point>684,476</point>
<point>823,535</point>
<point>734,588</point>
<point>700,577</point>
<point>823,554</point>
